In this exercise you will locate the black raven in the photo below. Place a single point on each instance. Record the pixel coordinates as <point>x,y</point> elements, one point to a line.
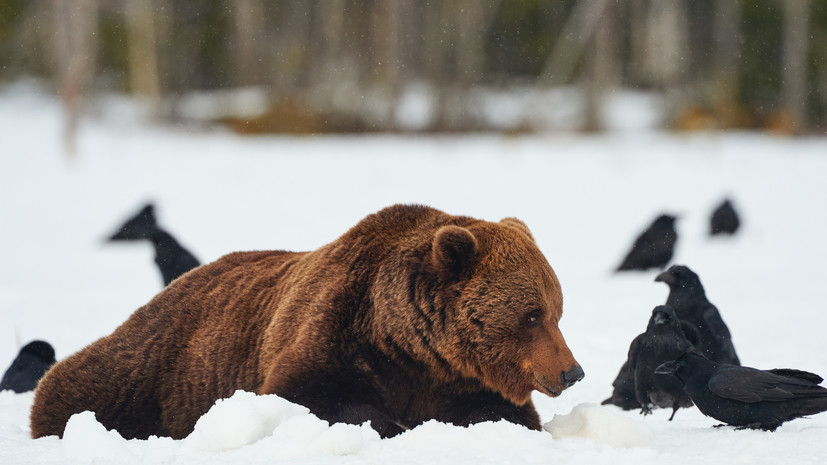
<point>724,219</point>
<point>28,367</point>
<point>747,397</point>
<point>172,259</point>
<point>687,297</point>
<point>623,389</point>
<point>654,247</point>
<point>663,341</point>
<point>636,385</point>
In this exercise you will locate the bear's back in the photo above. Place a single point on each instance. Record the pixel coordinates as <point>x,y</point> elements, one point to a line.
<point>205,323</point>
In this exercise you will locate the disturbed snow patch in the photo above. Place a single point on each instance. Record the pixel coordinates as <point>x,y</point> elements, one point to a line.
<point>264,426</point>
<point>273,423</point>
<point>239,420</point>
<point>86,439</point>
<point>601,424</point>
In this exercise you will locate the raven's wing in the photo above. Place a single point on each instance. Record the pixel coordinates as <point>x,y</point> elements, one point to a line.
<point>5,383</point>
<point>623,393</point>
<point>752,385</point>
<point>691,333</point>
<point>12,374</point>
<point>634,349</point>
<point>806,375</point>
<point>712,318</point>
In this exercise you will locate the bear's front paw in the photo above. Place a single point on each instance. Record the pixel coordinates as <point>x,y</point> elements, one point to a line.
<point>361,413</point>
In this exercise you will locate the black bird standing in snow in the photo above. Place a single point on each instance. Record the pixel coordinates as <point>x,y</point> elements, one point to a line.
<point>172,259</point>
<point>687,297</point>
<point>28,367</point>
<point>724,219</point>
<point>654,247</point>
<point>747,397</point>
<point>663,341</point>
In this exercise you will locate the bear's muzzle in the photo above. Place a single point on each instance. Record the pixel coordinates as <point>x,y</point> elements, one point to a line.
<point>554,388</point>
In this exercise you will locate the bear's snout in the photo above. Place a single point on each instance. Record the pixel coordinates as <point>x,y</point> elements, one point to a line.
<point>552,387</point>
<point>572,376</point>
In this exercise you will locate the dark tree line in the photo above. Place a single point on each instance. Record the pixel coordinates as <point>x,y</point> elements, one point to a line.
<point>342,65</point>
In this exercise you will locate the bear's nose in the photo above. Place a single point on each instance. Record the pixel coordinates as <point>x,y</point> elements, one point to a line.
<point>572,376</point>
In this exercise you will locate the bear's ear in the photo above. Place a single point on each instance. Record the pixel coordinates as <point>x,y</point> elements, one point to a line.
<point>454,248</point>
<point>517,224</point>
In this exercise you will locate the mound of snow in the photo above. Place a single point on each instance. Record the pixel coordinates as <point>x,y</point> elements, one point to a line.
<point>344,439</point>
<point>602,424</point>
<point>244,426</point>
<point>277,427</point>
<point>239,420</point>
<point>87,440</point>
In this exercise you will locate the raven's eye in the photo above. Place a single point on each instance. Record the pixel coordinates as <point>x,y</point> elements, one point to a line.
<point>533,319</point>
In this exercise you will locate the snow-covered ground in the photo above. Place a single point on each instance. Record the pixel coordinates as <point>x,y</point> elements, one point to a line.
<point>585,199</point>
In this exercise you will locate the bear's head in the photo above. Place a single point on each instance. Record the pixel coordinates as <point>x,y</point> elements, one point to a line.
<point>503,302</point>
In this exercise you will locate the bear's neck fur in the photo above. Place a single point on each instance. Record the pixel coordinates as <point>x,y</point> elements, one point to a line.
<point>396,307</point>
<point>402,314</point>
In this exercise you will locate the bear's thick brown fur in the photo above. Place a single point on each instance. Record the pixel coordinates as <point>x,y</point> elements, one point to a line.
<point>411,315</point>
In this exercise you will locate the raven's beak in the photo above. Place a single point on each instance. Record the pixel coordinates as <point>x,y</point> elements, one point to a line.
<point>118,236</point>
<point>665,277</point>
<point>668,368</point>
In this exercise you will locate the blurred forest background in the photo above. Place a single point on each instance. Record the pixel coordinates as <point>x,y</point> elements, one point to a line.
<point>347,65</point>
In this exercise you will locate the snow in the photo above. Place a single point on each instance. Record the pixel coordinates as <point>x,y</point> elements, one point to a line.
<point>602,424</point>
<point>252,417</point>
<point>584,197</point>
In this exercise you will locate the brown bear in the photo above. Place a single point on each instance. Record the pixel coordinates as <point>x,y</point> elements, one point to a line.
<point>411,315</point>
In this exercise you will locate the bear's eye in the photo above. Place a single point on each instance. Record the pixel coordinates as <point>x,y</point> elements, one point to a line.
<point>533,319</point>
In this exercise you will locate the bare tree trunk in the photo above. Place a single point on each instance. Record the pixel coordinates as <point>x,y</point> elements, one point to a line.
<point>75,24</point>
<point>725,66</point>
<point>385,64</point>
<point>472,21</point>
<point>333,44</point>
<point>437,40</point>
<point>669,46</point>
<point>573,40</point>
<point>796,35</point>
<point>249,34</point>
<point>334,68</point>
<point>410,38</point>
<point>455,44</point>
<point>291,52</point>
<point>639,40</point>
<point>602,66</point>
<point>143,54</point>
